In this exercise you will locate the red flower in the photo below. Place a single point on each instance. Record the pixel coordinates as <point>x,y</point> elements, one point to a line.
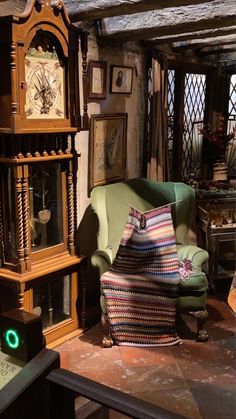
<point>218,135</point>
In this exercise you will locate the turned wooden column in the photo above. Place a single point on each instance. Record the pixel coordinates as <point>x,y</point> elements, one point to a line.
<point>21,292</point>
<point>19,219</point>
<point>14,104</point>
<point>84,50</point>
<point>25,210</point>
<point>70,197</point>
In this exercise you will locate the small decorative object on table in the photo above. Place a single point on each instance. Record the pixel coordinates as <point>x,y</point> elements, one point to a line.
<point>219,137</point>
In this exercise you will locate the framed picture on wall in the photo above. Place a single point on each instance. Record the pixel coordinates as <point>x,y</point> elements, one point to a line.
<point>97,75</point>
<point>121,79</point>
<point>108,142</point>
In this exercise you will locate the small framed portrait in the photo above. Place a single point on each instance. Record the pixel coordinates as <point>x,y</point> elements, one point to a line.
<point>97,75</point>
<point>108,142</point>
<point>121,79</point>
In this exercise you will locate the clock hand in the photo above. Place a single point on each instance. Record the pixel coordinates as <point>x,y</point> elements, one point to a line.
<point>44,92</point>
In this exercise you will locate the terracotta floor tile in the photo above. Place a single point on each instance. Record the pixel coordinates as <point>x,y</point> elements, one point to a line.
<point>92,337</point>
<point>132,356</point>
<point>150,378</point>
<point>207,373</point>
<point>65,355</point>
<point>65,360</point>
<point>227,344</point>
<point>66,346</point>
<point>214,401</point>
<point>96,359</point>
<point>193,379</point>
<point>112,377</point>
<point>222,330</point>
<point>218,310</point>
<point>179,401</point>
<point>192,350</point>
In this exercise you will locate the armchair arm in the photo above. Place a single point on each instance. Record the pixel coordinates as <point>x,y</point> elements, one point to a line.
<point>102,259</point>
<point>195,254</point>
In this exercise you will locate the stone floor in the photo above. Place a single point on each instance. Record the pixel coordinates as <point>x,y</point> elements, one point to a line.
<point>196,380</point>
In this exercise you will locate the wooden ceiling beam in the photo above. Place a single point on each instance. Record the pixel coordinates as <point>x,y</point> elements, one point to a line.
<point>100,9</point>
<point>192,35</point>
<point>157,23</point>
<point>216,50</point>
<point>200,35</point>
<point>227,58</point>
<point>197,43</point>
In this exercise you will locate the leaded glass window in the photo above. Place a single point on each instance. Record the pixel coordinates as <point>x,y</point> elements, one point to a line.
<point>194,107</point>
<point>231,148</point>
<point>170,115</point>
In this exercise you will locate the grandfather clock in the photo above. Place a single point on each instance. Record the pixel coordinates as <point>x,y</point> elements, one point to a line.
<point>39,117</point>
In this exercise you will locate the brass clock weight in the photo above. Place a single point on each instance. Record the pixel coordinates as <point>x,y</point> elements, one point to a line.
<point>44,214</point>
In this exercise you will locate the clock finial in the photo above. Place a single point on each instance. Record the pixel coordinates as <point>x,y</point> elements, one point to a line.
<point>58,4</point>
<point>40,2</point>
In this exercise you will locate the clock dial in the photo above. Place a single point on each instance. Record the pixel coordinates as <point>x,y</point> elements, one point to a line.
<point>45,86</point>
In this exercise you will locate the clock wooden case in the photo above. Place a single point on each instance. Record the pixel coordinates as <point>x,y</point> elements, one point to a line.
<point>40,269</point>
<point>39,88</point>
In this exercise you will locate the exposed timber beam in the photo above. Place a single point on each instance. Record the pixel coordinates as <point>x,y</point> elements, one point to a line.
<point>192,35</point>
<point>9,7</point>
<point>100,9</point>
<point>140,26</point>
<point>228,59</point>
<point>216,50</point>
<point>196,43</point>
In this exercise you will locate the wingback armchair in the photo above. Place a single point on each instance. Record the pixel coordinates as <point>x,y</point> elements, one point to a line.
<point>109,204</point>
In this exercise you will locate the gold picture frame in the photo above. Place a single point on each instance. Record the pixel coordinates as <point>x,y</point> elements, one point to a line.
<point>108,142</point>
<point>121,79</point>
<point>97,72</point>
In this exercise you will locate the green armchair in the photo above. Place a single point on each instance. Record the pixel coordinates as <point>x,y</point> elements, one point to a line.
<point>109,203</point>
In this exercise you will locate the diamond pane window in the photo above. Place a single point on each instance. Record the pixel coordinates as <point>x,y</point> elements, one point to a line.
<point>232,97</point>
<point>149,104</point>
<point>231,148</point>
<point>194,107</point>
<point>170,99</point>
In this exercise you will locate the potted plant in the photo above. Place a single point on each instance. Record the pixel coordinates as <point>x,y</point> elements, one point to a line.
<point>219,139</point>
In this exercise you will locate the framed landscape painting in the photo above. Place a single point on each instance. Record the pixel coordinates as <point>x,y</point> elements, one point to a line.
<point>108,141</point>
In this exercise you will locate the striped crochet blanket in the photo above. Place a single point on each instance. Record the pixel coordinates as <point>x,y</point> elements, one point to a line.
<point>141,286</point>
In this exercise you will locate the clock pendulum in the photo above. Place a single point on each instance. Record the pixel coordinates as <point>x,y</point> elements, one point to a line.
<point>44,215</point>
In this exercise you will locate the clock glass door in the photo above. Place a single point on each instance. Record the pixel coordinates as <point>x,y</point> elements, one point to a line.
<point>9,215</point>
<point>53,299</point>
<point>46,212</point>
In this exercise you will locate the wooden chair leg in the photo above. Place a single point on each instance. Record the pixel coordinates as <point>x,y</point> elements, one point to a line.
<point>107,341</point>
<point>200,316</point>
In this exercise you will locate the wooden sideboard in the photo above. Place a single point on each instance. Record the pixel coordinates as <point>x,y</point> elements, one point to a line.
<point>216,222</point>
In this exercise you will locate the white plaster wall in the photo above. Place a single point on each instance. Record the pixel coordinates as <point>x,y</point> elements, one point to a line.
<point>133,104</point>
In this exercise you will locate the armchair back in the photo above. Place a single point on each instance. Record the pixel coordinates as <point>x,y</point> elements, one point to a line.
<point>111,205</point>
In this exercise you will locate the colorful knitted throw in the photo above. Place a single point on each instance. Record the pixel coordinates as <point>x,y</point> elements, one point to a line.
<point>141,286</point>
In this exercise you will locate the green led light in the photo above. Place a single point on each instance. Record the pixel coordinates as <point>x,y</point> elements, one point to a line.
<point>12,338</point>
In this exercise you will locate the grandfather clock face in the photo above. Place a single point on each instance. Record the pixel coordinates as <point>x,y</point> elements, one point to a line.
<point>45,83</point>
